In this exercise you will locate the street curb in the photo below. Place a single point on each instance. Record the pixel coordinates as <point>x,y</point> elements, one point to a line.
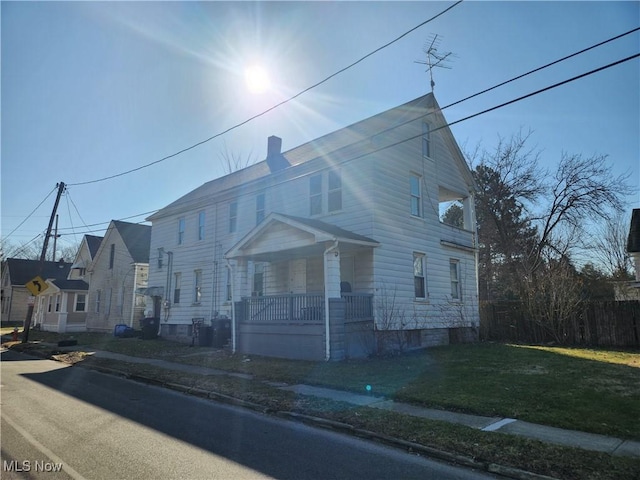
<point>411,447</point>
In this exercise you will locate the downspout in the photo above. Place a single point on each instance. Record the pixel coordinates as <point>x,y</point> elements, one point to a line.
<point>233,307</point>
<point>133,300</point>
<point>215,297</point>
<point>327,339</point>
<point>167,302</point>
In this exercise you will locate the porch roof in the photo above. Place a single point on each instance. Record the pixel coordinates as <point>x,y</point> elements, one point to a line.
<point>280,233</point>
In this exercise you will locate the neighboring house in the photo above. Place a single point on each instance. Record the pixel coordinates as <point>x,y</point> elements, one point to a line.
<point>312,250</point>
<point>631,290</point>
<point>118,269</point>
<point>63,307</point>
<point>16,272</point>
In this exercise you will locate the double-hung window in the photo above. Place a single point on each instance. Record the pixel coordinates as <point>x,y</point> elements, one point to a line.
<point>454,269</point>
<point>335,191</point>
<point>98,297</point>
<point>416,197</point>
<point>260,208</point>
<point>200,225</point>
<point>426,140</point>
<point>419,276</point>
<point>180,230</point>
<point>81,302</point>
<point>112,255</point>
<point>233,217</point>
<point>315,198</point>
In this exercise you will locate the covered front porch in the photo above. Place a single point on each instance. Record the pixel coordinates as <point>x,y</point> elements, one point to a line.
<point>302,289</point>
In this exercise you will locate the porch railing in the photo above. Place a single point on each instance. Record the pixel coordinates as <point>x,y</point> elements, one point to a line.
<point>304,307</point>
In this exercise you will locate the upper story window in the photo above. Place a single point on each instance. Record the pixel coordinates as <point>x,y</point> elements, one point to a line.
<point>112,255</point>
<point>200,225</point>
<point>233,217</point>
<point>181,230</point>
<point>335,191</point>
<point>426,140</point>
<point>160,257</point>
<point>315,194</point>
<point>419,275</point>
<point>98,297</point>
<point>260,207</point>
<point>416,197</point>
<point>454,269</point>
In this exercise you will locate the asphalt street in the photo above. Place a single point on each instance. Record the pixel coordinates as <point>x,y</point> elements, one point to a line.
<point>94,426</point>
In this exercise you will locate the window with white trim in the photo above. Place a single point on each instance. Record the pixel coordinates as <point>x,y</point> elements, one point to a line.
<point>98,298</point>
<point>419,275</point>
<point>81,302</point>
<point>454,273</point>
<point>334,196</point>
<point>260,208</point>
<point>315,194</point>
<point>112,256</point>
<point>58,302</point>
<point>200,225</point>
<point>426,140</point>
<point>416,195</point>
<point>181,224</point>
<point>233,217</point>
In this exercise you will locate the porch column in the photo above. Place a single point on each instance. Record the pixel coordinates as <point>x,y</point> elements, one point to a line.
<point>331,288</point>
<point>332,272</point>
<point>241,280</point>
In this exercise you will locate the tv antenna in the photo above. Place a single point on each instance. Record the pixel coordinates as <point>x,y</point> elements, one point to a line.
<point>434,58</point>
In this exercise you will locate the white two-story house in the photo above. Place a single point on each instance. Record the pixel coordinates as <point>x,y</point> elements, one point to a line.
<point>334,248</point>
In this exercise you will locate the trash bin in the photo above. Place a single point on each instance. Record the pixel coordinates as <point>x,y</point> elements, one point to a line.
<point>205,335</point>
<point>221,331</point>
<point>150,328</point>
<point>118,330</point>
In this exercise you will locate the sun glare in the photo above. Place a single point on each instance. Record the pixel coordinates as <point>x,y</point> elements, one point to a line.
<point>257,79</point>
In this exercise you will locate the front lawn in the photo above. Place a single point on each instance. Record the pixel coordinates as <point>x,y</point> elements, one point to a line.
<point>580,389</point>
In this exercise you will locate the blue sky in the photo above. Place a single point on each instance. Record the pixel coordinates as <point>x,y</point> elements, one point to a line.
<point>91,90</point>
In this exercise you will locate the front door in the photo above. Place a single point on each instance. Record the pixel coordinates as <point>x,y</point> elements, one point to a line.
<point>298,276</point>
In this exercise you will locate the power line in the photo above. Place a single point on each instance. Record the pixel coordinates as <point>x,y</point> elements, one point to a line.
<point>273,107</point>
<point>449,124</point>
<point>442,108</point>
<point>29,216</point>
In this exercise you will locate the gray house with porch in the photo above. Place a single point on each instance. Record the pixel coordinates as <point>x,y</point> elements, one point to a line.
<point>335,248</point>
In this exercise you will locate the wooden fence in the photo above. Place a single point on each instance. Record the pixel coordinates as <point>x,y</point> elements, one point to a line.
<point>601,324</point>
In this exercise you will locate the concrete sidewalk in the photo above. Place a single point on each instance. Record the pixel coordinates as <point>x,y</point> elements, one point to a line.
<point>571,438</point>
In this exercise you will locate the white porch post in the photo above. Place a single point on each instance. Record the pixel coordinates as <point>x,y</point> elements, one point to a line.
<point>62,314</point>
<point>331,288</point>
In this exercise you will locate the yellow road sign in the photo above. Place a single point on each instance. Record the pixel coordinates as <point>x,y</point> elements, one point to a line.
<point>36,286</point>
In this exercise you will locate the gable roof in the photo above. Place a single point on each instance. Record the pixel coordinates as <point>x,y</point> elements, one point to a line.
<point>633,241</point>
<point>64,284</point>
<point>137,239</point>
<point>22,271</point>
<point>343,144</point>
<point>317,232</point>
<point>93,242</point>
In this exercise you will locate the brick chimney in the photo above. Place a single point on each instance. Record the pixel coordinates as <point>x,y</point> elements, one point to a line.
<point>275,159</point>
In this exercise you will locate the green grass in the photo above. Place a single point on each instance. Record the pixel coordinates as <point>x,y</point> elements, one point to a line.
<point>580,389</point>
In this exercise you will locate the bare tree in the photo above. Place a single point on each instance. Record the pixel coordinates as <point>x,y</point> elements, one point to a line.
<point>392,321</point>
<point>232,162</point>
<point>609,246</point>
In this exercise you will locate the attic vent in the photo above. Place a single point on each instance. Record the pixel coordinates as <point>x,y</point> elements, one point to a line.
<point>275,159</point>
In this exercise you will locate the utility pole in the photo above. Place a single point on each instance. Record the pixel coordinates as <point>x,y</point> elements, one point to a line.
<point>55,239</point>
<point>43,255</point>
<point>434,59</point>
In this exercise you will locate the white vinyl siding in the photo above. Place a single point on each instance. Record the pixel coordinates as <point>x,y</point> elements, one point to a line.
<point>334,194</point>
